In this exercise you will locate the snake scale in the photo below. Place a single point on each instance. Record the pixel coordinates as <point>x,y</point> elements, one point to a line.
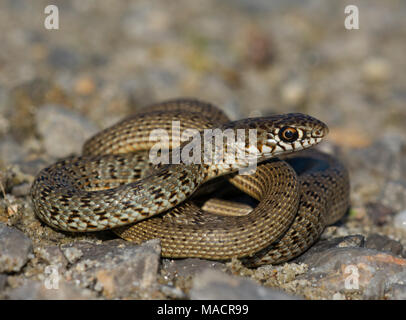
<point>113,185</point>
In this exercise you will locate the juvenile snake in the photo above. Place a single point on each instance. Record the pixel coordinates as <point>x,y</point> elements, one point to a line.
<point>113,185</point>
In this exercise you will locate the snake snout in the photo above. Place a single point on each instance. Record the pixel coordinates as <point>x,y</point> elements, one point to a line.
<point>320,131</point>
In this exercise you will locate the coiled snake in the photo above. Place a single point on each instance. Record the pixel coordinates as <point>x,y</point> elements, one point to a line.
<point>113,185</point>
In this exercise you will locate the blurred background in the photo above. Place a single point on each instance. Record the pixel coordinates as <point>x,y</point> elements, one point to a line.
<point>250,57</point>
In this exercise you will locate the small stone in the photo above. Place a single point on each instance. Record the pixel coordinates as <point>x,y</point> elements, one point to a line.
<point>376,70</point>
<point>52,255</point>
<point>379,213</point>
<point>338,296</point>
<point>293,93</point>
<point>349,137</point>
<point>399,220</point>
<point>15,248</point>
<point>31,167</point>
<point>188,267</point>
<point>10,150</point>
<point>398,292</point>
<point>85,86</point>
<point>63,58</point>
<point>72,254</point>
<point>258,48</point>
<point>383,243</point>
<point>394,194</point>
<point>63,131</point>
<point>21,190</point>
<point>217,285</point>
<point>172,292</point>
<point>35,290</point>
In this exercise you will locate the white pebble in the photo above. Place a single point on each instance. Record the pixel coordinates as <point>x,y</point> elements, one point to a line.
<point>376,70</point>
<point>338,296</point>
<point>293,93</point>
<point>400,220</point>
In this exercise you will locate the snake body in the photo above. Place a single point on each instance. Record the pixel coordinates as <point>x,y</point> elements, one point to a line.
<point>114,185</point>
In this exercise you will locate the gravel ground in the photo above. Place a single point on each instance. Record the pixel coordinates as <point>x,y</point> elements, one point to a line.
<point>250,57</point>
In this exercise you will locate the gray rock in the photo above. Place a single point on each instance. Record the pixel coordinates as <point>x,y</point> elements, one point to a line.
<point>383,243</point>
<point>21,189</point>
<point>63,58</point>
<point>32,167</point>
<point>10,150</point>
<point>397,292</point>
<point>188,267</point>
<point>15,248</point>
<point>367,271</point>
<point>399,220</point>
<point>386,284</point>
<point>63,131</point>
<point>72,254</point>
<point>386,157</point>
<point>321,246</point>
<point>117,268</point>
<point>394,194</point>
<point>36,290</point>
<point>379,213</point>
<point>217,285</point>
<point>52,255</point>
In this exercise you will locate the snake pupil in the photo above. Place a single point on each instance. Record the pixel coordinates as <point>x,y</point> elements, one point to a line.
<point>288,134</point>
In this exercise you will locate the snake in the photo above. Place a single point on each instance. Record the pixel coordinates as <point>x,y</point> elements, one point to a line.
<point>114,184</point>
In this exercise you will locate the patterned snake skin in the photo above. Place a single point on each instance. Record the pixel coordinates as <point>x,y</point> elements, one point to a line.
<point>113,185</point>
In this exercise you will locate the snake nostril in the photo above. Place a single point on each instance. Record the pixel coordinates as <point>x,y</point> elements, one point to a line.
<point>319,132</point>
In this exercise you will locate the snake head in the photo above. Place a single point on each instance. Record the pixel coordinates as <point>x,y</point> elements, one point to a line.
<point>282,134</point>
<point>290,132</point>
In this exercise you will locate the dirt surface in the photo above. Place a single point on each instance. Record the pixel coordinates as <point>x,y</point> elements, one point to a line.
<point>109,59</point>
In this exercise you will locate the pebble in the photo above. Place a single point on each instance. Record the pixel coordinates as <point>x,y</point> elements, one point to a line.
<point>63,131</point>
<point>63,58</point>
<point>188,267</point>
<point>15,249</point>
<point>72,254</point>
<point>36,290</point>
<point>293,93</point>
<point>376,69</point>
<point>85,86</point>
<point>338,296</point>
<point>11,151</point>
<point>399,220</point>
<point>398,291</point>
<point>216,285</point>
<point>379,213</point>
<point>52,255</point>
<point>384,244</point>
<point>258,48</point>
<point>386,157</point>
<point>393,194</point>
<point>21,190</point>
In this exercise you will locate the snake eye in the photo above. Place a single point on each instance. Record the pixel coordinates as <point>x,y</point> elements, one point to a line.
<point>288,134</point>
